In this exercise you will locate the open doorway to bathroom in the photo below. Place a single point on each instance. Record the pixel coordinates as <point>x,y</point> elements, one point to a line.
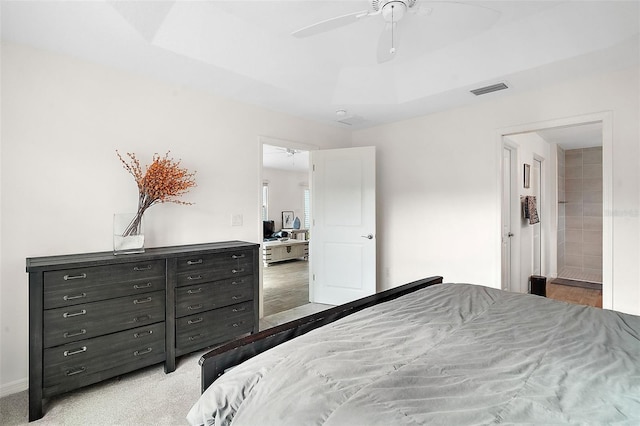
<point>580,204</point>
<point>577,240</point>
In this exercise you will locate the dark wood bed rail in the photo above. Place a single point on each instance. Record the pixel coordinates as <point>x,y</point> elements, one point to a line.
<point>215,362</point>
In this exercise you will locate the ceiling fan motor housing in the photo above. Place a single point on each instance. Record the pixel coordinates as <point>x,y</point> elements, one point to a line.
<point>376,5</point>
<point>392,10</point>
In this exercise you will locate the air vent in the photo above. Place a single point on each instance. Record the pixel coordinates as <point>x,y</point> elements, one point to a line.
<point>489,89</point>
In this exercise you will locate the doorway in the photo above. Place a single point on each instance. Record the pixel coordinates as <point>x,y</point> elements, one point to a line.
<point>580,202</point>
<point>341,189</point>
<point>550,250</point>
<point>285,216</point>
<point>537,183</point>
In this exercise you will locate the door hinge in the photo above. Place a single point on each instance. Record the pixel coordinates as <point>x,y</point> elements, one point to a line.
<point>313,168</point>
<point>314,277</point>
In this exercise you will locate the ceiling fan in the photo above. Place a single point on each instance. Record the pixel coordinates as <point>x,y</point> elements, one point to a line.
<point>391,11</point>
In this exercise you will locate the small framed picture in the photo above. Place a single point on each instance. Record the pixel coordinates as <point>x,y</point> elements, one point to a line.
<point>527,175</point>
<point>287,219</point>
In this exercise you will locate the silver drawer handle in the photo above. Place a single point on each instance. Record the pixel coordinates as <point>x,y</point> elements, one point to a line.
<point>75,351</point>
<point>199,290</point>
<point>140,301</point>
<point>198,277</point>
<point>195,321</point>
<point>194,307</point>
<point>76,371</point>
<point>237,324</point>
<point>237,282</point>
<point>142,334</point>
<point>238,256</point>
<point>142,268</point>
<point>197,336</point>
<point>142,352</point>
<point>239,309</point>
<point>142,318</point>
<point>237,271</point>
<point>74,314</point>
<point>194,262</point>
<point>141,286</point>
<point>237,297</point>
<point>77,296</point>
<point>74,334</point>
<point>75,277</point>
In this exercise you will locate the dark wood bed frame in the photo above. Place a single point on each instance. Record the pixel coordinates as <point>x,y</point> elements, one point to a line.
<point>215,362</point>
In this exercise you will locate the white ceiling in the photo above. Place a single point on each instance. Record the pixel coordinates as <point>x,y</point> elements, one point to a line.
<point>244,49</point>
<point>574,137</point>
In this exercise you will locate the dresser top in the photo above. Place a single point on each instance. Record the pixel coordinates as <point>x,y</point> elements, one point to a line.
<point>107,257</point>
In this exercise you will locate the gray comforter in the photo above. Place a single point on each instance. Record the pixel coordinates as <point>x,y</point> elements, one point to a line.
<point>451,354</point>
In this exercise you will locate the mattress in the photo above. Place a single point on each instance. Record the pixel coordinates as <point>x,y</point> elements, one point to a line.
<point>448,354</point>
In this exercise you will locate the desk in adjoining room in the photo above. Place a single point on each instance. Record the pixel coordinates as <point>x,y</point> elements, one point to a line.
<point>277,251</point>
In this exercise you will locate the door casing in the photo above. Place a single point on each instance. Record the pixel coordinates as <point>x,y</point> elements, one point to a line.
<point>606,118</point>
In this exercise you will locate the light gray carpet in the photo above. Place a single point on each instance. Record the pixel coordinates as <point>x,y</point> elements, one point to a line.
<point>144,397</point>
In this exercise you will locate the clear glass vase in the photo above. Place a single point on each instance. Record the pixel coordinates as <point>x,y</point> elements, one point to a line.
<point>128,233</point>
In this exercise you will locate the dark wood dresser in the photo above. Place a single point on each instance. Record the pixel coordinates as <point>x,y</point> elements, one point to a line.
<point>95,316</point>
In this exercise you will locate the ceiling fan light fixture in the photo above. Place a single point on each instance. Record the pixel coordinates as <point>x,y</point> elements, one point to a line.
<point>377,5</point>
<point>393,11</point>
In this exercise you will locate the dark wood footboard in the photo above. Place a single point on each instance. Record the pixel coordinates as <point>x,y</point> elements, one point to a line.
<point>215,362</point>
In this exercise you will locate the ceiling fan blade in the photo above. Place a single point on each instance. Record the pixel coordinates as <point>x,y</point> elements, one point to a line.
<point>330,24</point>
<point>388,43</point>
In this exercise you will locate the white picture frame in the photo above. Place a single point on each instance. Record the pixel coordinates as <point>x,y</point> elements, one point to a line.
<point>287,219</point>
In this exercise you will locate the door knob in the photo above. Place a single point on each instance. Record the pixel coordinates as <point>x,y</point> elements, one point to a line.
<point>510,234</point>
<point>368,237</point>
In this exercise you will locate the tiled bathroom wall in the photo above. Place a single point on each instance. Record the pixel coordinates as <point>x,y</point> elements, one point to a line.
<point>580,214</point>
<point>562,200</point>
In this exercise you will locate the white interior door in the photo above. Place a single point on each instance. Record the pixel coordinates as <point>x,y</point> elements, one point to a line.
<point>536,183</point>
<point>507,205</point>
<point>342,244</point>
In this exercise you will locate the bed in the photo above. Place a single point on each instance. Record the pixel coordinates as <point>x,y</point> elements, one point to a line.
<point>432,354</point>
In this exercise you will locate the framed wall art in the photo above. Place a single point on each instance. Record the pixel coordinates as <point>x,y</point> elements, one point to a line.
<point>287,219</point>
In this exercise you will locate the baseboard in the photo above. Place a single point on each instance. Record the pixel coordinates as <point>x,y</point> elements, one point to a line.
<point>7,389</point>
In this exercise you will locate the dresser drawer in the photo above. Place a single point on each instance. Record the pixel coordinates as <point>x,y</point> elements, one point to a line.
<point>59,297</point>
<point>199,298</point>
<point>203,268</point>
<point>69,364</point>
<point>78,322</point>
<point>82,285</point>
<point>207,328</point>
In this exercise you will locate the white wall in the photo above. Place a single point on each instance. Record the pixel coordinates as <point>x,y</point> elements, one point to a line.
<point>439,181</point>
<point>286,192</point>
<point>63,119</point>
